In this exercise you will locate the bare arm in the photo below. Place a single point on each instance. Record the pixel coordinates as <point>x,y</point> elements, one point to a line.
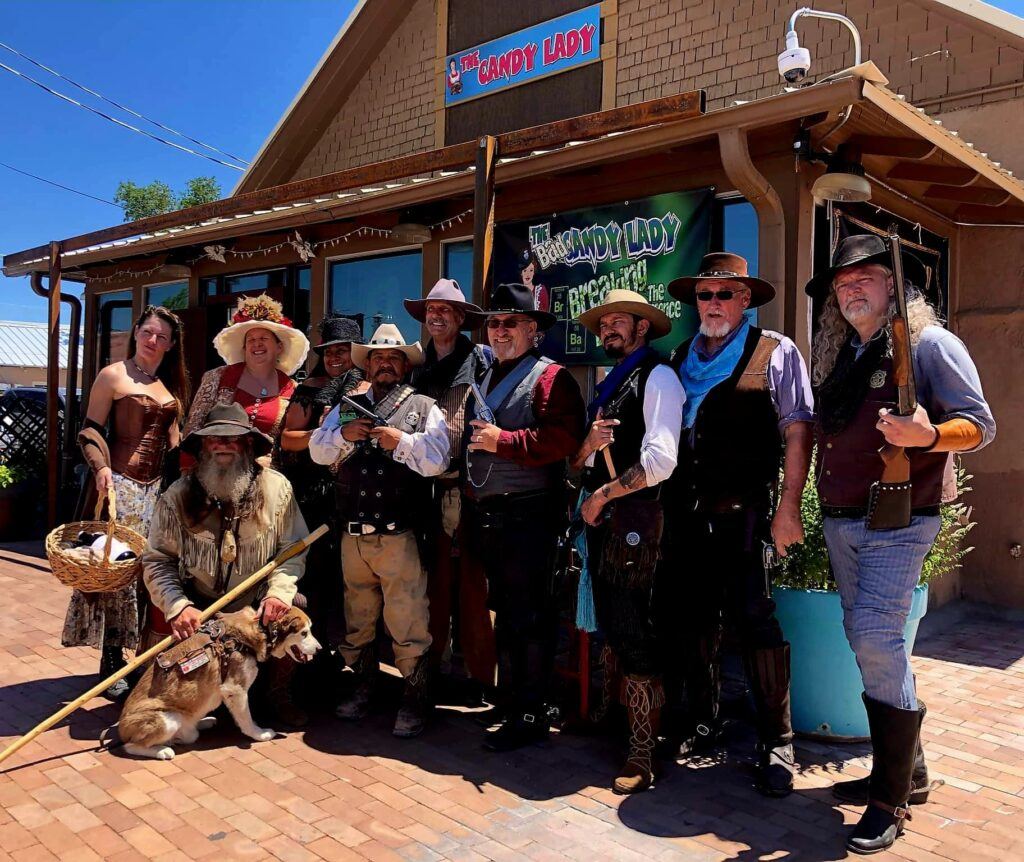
<point>787,528</point>
<point>296,433</point>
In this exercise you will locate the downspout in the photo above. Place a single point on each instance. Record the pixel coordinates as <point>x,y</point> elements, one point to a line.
<point>71,416</point>
<point>771,218</point>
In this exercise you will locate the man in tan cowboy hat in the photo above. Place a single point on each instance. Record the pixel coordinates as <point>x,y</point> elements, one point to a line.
<point>381,495</point>
<point>748,409</point>
<point>220,523</point>
<point>530,422</point>
<point>631,448</point>
<point>451,363</point>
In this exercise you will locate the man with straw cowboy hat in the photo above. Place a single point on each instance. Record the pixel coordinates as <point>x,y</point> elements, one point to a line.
<point>387,442</point>
<point>455,578</point>
<point>636,416</point>
<point>220,523</point>
<point>748,409</point>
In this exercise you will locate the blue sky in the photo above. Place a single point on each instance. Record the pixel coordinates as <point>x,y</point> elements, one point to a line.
<point>219,70</point>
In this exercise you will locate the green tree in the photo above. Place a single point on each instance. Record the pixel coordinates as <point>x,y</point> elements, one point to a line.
<point>157,197</point>
<point>199,190</point>
<point>144,201</point>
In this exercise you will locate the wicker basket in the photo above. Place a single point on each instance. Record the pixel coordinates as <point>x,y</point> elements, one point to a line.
<point>103,576</point>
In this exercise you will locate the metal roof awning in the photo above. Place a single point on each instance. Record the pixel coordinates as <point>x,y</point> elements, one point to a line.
<point>901,149</point>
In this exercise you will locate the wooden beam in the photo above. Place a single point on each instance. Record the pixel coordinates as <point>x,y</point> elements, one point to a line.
<point>973,213</point>
<point>986,196</point>
<point>921,172</point>
<point>904,148</point>
<point>548,136</point>
<point>52,385</point>
<point>483,218</point>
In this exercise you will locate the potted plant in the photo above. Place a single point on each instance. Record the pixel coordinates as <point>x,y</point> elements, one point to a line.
<point>826,682</point>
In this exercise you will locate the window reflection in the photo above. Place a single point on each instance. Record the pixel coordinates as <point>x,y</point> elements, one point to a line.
<point>173,296</point>
<point>115,313</point>
<point>458,264</point>
<point>371,290</point>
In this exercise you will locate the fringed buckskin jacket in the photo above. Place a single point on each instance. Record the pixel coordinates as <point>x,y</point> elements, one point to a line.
<point>184,561</point>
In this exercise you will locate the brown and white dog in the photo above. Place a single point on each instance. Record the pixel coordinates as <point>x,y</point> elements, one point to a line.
<point>172,701</point>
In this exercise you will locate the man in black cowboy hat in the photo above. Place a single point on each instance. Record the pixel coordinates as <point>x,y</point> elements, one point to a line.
<point>221,522</point>
<point>531,420</point>
<point>380,486</point>
<point>451,363</point>
<point>636,416</point>
<point>748,412</point>
<point>876,571</point>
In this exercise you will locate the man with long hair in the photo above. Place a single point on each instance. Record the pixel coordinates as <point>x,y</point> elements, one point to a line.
<point>877,570</point>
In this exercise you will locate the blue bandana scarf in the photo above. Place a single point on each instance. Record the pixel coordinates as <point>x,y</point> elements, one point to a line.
<point>699,377</point>
<point>606,388</point>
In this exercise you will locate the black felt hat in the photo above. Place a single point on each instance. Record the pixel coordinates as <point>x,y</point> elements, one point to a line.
<point>865,248</point>
<point>518,299</point>
<point>338,329</point>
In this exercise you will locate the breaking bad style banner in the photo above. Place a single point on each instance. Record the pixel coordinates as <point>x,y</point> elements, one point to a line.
<point>554,46</point>
<point>572,259</point>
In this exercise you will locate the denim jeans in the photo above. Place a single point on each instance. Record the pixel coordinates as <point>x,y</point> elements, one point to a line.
<point>876,572</point>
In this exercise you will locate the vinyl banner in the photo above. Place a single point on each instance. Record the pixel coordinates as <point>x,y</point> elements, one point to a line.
<point>545,49</point>
<point>572,259</point>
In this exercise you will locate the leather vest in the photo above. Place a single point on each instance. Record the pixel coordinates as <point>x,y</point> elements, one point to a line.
<point>848,463</point>
<point>372,488</point>
<point>488,475</point>
<point>733,454</point>
<point>629,434</point>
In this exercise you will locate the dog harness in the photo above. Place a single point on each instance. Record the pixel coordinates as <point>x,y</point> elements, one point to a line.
<point>217,645</point>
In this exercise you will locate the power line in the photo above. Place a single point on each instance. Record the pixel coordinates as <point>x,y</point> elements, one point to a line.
<point>116,121</point>
<point>124,108</point>
<point>60,185</point>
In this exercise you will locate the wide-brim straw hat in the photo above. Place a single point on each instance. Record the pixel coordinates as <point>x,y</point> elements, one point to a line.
<point>227,420</point>
<point>387,337</point>
<point>863,248</point>
<point>518,299</point>
<point>723,265</point>
<point>446,290</point>
<point>262,312</point>
<point>627,302</point>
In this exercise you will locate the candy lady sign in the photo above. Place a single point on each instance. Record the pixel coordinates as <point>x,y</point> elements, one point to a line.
<point>555,46</point>
<point>572,259</point>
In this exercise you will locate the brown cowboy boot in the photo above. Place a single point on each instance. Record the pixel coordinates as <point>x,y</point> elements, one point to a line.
<point>644,699</point>
<point>365,667</point>
<point>279,693</point>
<point>768,674</point>
<point>609,685</point>
<point>416,705</point>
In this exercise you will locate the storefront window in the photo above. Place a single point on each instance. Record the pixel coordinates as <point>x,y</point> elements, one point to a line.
<point>371,290</point>
<point>737,228</point>
<point>173,296</point>
<point>115,314</point>
<point>458,264</point>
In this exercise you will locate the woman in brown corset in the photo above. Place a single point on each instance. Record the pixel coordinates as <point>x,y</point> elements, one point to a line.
<point>143,400</point>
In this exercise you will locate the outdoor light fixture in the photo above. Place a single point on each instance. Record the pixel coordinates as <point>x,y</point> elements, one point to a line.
<point>843,180</point>
<point>411,232</point>
<point>795,62</point>
<point>175,270</point>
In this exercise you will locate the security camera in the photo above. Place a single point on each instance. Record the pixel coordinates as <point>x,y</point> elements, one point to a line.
<point>794,62</point>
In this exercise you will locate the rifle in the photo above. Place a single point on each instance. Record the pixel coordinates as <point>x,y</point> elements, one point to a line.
<point>611,411</point>
<point>889,500</point>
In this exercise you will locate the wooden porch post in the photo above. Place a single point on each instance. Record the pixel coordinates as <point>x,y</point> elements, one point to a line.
<point>483,218</point>
<point>52,385</point>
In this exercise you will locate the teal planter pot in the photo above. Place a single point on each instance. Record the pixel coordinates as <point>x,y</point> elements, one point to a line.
<point>826,684</point>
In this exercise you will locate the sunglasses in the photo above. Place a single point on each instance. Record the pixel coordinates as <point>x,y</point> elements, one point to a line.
<point>511,323</point>
<point>723,295</point>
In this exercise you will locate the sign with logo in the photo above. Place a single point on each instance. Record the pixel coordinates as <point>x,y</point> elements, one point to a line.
<point>545,49</point>
<point>571,260</point>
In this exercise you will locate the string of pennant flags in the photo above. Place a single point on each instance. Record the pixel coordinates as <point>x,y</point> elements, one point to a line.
<point>304,248</point>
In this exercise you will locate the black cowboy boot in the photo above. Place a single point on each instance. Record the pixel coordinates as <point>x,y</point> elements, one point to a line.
<point>894,736</point>
<point>111,661</point>
<point>768,673</point>
<point>856,790</point>
<point>279,693</point>
<point>703,728</point>
<point>357,704</point>
<point>521,727</point>
<point>644,699</point>
<point>416,705</point>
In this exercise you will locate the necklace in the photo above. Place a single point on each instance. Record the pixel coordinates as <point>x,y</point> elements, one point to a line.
<point>152,377</point>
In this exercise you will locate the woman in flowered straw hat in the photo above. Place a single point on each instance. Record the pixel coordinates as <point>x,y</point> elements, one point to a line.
<point>261,350</point>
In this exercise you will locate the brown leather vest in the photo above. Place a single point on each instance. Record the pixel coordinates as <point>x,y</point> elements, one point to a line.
<point>848,463</point>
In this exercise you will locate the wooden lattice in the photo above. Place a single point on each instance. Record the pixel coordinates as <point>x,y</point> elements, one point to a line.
<point>23,430</point>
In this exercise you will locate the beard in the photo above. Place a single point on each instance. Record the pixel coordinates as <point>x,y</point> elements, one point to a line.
<point>715,327</point>
<point>225,482</point>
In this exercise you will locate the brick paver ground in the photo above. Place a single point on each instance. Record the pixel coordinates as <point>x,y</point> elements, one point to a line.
<point>343,792</point>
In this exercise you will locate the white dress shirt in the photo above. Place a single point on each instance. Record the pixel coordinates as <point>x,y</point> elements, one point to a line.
<point>426,452</point>
<point>663,421</point>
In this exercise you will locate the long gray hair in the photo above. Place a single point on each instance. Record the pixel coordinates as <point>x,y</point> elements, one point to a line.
<point>834,330</point>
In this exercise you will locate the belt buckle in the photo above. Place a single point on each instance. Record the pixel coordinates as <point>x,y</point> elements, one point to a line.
<point>529,718</point>
<point>354,528</point>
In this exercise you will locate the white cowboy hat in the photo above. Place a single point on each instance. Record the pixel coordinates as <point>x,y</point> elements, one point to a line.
<point>387,337</point>
<point>628,302</point>
<point>261,312</point>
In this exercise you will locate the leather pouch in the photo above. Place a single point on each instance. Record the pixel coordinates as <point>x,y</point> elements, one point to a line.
<point>889,506</point>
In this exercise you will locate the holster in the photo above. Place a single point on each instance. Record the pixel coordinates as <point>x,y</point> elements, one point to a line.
<point>889,505</point>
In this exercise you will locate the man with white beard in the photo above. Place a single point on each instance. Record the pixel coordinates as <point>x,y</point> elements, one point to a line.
<point>748,412</point>
<point>220,523</point>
